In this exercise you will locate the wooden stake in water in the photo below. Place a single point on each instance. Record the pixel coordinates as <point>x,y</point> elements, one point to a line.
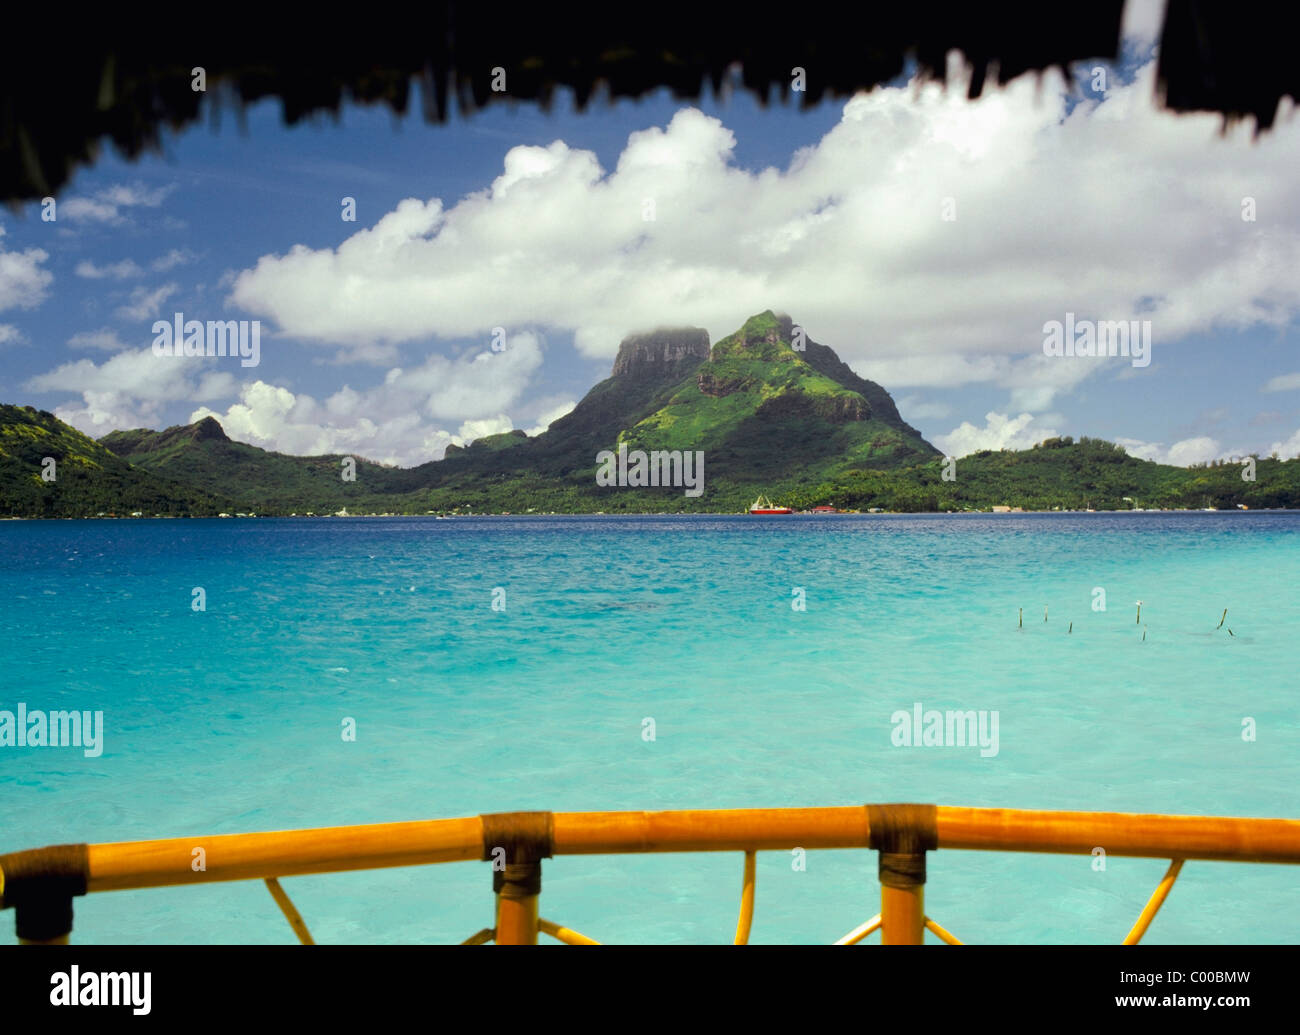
<point>1071,629</point>
<point>1223,619</point>
<point>1138,620</point>
<point>1144,634</point>
<point>1021,624</point>
<point>1044,612</point>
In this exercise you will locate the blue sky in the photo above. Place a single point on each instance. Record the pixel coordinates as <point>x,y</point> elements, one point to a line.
<point>925,238</point>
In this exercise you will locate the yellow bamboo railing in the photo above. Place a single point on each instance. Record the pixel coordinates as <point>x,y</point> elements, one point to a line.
<point>42,882</point>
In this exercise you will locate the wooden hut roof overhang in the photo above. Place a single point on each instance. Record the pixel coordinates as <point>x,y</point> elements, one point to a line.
<point>63,97</point>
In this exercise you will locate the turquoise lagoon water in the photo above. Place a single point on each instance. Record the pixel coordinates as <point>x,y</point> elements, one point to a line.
<point>229,719</point>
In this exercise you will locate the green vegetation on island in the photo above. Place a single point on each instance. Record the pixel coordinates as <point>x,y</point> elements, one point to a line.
<point>772,411</point>
<point>49,469</point>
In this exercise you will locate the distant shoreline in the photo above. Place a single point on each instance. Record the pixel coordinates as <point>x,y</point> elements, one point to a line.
<point>764,519</point>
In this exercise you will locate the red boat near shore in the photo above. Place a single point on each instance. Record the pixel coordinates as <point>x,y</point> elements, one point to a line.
<point>763,506</point>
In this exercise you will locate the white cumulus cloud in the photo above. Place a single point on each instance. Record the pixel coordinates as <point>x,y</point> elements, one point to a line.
<point>549,417</point>
<point>999,432</point>
<point>123,270</point>
<point>129,390</point>
<point>407,419</point>
<point>1057,209</point>
<point>1288,448</point>
<point>1283,383</point>
<point>146,304</point>
<point>23,283</point>
<point>1183,453</point>
<point>106,206</point>
<point>104,339</point>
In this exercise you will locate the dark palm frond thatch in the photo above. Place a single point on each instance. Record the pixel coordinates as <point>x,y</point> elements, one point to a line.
<point>59,102</point>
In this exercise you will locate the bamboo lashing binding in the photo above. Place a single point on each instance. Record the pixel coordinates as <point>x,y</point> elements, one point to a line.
<point>40,884</point>
<point>523,840</point>
<point>902,834</point>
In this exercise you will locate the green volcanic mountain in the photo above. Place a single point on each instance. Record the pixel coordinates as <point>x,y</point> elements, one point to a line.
<point>764,407</point>
<point>201,455</point>
<point>764,413</point>
<point>85,478</point>
<point>768,411</point>
<point>648,369</point>
<point>772,411</point>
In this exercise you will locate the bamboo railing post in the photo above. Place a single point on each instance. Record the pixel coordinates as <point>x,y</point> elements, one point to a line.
<point>516,843</point>
<point>746,920</point>
<point>517,889</point>
<point>39,885</point>
<point>902,834</point>
<point>902,910</point>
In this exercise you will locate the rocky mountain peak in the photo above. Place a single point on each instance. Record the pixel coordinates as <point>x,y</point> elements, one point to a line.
<point>656,349</point>
<point>767,328</point>
<point>209,428</point>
